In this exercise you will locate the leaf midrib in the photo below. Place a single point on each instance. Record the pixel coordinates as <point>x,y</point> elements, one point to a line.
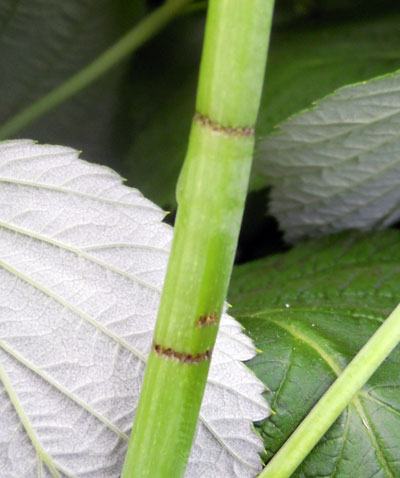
<point>357,127</point>
<point>224,445</point>
<point>350,188</point>
<point>337,370</point>
<point>120,341</point>
<point>24,419</point>
<point>372,437</point>
<point>332,164</point>
<point>75,193</point>
<point>80,252</point>
<point>23,361</point>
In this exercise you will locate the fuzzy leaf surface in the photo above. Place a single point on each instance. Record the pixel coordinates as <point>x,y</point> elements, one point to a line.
<point>337,166</point>
<point>309,61</point>
<point>82,263</point>
<point>310,311</point>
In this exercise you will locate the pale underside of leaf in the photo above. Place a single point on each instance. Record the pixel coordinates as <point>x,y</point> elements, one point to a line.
<point>337,166</point>
<point>82,262</point>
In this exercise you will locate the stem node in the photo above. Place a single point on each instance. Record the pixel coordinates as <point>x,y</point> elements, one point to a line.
<point>211,194</point>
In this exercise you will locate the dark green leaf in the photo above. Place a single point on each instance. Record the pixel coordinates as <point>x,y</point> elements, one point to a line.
<point>294,10</point>
<point>42,43</point>
<point>310,311</point>
<point>163,101</point>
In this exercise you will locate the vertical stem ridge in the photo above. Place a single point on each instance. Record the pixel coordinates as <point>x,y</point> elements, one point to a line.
<point>211,193</point>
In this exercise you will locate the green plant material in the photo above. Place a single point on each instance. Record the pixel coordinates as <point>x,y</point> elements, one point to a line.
<point>336,399</point>
<point>309,61</point>
<point>305,62</point>
<point>200,5</point>
<point>94,70</point>
<point>311,310</point>
<point>211,194</point>
<point>164,109</point>
<point>82,263</point>
<point>42,45</point>
<point>295,11</point>
<point>337,166</point>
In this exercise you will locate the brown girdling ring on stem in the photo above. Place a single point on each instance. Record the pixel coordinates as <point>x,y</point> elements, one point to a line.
<point>207,320</point>
<point>182,357</point>
<point>219,128</point>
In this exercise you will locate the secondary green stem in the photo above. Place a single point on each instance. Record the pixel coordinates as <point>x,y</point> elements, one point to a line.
<point>211,194</point>
<point>113,55</point>
<point>336,399</point>
<point>196,7</point>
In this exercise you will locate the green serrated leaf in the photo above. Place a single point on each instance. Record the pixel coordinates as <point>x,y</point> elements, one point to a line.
<point>337,166</point>
<point>310,311</point>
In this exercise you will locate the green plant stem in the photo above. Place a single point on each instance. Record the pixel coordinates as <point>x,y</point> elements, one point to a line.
<point>130,42</point>
<point>211,194</point>
<point>335,400</point>
<point>195,7</point>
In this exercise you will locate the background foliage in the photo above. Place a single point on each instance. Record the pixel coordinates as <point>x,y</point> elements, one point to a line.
<point>327,296</point>
<point>310,310</point>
